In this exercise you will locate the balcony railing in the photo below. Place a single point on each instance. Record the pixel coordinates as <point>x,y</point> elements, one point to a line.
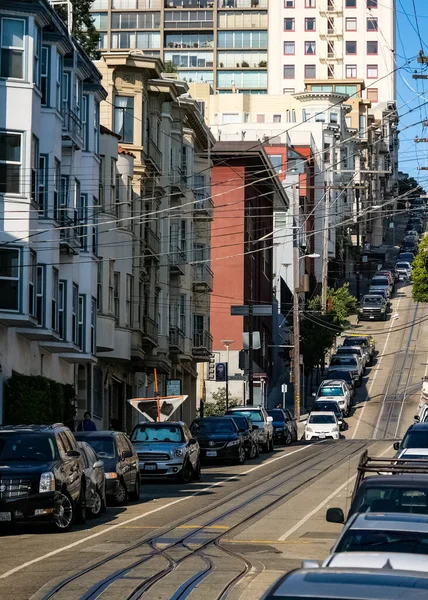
<point>189,3</point>
<point>203,207</point>
<point>189,24</point>
<point>177,259</point>
<point>202,342</point>
<point>72,124</point>
<point>242,3</point>
<point>151,330</point>
<point>330,7</point>
<point>203,277</point>
<point>176,339</point>
<point>69,239</point>
<point>155,155</point>
<point>152,242</point>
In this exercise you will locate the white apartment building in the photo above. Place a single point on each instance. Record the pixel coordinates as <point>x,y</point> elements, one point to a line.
<point>332,39</point>
<point>50,94</point>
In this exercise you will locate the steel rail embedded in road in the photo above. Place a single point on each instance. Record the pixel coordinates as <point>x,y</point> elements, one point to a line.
<point>184,542</point>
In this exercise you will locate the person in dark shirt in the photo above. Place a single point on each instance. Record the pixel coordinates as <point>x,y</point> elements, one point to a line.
<point>87,424</point>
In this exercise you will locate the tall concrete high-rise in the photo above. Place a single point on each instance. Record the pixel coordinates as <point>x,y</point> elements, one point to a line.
<point>320,40</point>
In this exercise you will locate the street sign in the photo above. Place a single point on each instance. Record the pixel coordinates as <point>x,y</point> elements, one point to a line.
<point>258,310</point>
<point>173,387</point>
<point>221,371</point>
<point>284,388</point>
<point>407,204</point>
<point>256,340</point>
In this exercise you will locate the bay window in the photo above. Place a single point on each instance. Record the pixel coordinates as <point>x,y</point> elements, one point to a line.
<point>10,163</point>
<point>12,48</point>
<point>10,266</point>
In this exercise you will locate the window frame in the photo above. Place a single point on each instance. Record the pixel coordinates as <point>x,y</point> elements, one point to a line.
<point>129,293</point>
<point>32,283</point>
<point>372,67</point>
<point>124,110</point>
<point>354,68</point>
<point>85,122</point>
<point>18,164</point>
<point>310,66</point>
<point>40,295</point>
<point>348,5</point>
<point>55,299</point>
<point>294,48</point>
<point>116,296</point>
<point>314,3</point>
<point>37,55</point>
<point>93,325</point>
<point>372,89</point>
<point>353,19</point>
<point>346,47</point>
<point>81,322</point>
<point>370,6</point>
<point>35,164</point>
<point>74,314</point>
<point>291,5</point>
<point>374,21</point>
<point>45,76</point>
<point>306,42</point>
<point>292,20</point>
<point>367,48</point>
<point>13,49</point>
<point>62,309</point>
<point>289,67</point>
<point>307,19</point>
<point>18,279</point>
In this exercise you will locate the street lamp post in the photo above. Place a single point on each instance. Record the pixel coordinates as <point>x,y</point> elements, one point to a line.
<point>227,344</point>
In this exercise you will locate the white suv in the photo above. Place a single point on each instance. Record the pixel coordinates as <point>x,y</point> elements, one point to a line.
<point>336,389</point>
<point>260,420</point>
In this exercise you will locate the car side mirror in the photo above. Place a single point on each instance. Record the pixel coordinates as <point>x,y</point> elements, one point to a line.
<point>417,418</point>
<point>313,395</point>
<point>126,454</point>
<point>99,464</point>
<point>335,515</point>
<point>73,454</point>
<point>269,419</point>
<point>396,445</point>
<point>192,442</point>
<point>310,564</point>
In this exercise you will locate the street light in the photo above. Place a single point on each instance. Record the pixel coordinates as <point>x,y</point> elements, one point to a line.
<point>227,344</point>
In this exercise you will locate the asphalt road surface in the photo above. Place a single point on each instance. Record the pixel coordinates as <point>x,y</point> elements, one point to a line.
<point>237,530</point>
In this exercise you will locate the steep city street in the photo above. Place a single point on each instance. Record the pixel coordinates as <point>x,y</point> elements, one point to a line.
<point>241,527</point>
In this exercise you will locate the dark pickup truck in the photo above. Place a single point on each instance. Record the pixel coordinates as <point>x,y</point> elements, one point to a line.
<point>373,308</point>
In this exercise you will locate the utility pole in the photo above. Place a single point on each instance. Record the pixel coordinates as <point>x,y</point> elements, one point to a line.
<point>324,277</point>
<point>296,304</point>
<point>357,200</point>
<point>250,355</point>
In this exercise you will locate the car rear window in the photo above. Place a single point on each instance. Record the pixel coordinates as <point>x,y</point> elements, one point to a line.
<point>104,447</point>
<point>214,426</point>
<point>379,281</point>
<point>344,360</point>
<point>254,415</point>
<point>331,391</point>
<point>326,407</point>
<point>277,415</point>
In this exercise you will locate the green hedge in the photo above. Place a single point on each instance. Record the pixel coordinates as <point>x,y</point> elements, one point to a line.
<point>37,399</point>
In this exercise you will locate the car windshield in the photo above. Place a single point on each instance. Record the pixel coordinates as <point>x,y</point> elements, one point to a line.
<point>214,426</point>
<point>19,446</point>
<point>104,447</point>
<point>330,391</point>
<point>321,419</point>
<point>277,415</point>
<point>392,499</point>
<point>254,415</point>
<point>356,341</point>
<point>360,540</point>
<point>326,407</point>
<point>343,360</point>
<point>415,439</point>
<point>402,265</point>
<point>151,433</point>
<point>372,301</point>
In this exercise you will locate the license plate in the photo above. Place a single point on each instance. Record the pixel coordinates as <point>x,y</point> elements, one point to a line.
<point>211,452</point>
<point>371,316</point>
<point>5,516</point>
<point>322,436</point>
<point>148,467</point>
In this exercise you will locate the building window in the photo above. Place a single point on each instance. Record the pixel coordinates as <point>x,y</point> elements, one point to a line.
<point>12,48</point>
<point>37,50</point>
<point>288,3</point>
<point>182,315</point>
<point>44,76</point>
<point>277,162</point>
<point>372,24</point>
<point>97,392</point>
<point>330,71</point>
<point>289,71</point>
<point>372,94</point>
<point>81,323</point>
<point>110,286</point>
<point>34,169</point>
<point>85,118</point>
<point>351,4</point>
<point>129,294</point>
<point>235,39</point>
<point>100,286</point>
<point>58,82</point>
<point>288,90</point>
<point>351,24</point>
<point>74,315</point>
<point>362,126</point>
<point>124,118</point>
<point>96,127</point>
<point>333,118</point>
<point>116,297</point>
<point>62,288</point>
<point>310,47</point>
<point>260,118</point>
<point>310,24</point>
<point>372,72</point>
<point>101,183</point>
<point>277,118</point>
<point>10,163</point>
<point>135,39</point>
<point>310,72</point>
<point>351,71</point>
<point>9,278</point>
<point>32,278</point>
<point>372,47</point>
<point>320,117</point>
<point>113,181</point>
<point>55,293</point>
<point>40,294</point>
<point>56,191</point>
<point>288,24</point>
<point>289,48</point>
<point>82,216</point>
<point>310,4</point>
<point>351,47</point>
<point>93,325</point>
<point>371,3</point>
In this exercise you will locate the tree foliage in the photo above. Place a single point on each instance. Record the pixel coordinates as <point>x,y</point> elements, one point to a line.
<point>169,67</point>
<point>420,273</point>
<point>405,186</point>
<point>83,26</point>
<point>217,407</point>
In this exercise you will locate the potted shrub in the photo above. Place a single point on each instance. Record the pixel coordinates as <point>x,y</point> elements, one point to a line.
<point>245,64</point>
<point>263,63</point>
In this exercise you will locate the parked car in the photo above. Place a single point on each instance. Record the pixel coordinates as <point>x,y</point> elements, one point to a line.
<point>381,282</point>
<point>95,480</point>
<point>404,270</point>
<point>121,466</point>
<point>329,405</point>
<point>349,584</point>
<point>407,256</point>
<point>283,427</point>
<point>167,449</point>
<point>249,434</point>
<point>292,423</point>
<point>373,308</point>
<point>348,363</point>
<point>364,342</point>
<point>42,476</point>
<point>409,245</point>
<point>321,425</point>
<point>260,419</point>
<point>219,439</point>
<point>387,273</point>
<point>416,436</point>
<point>354,350</point>
<point>343,375</point>
<point>335,389</point>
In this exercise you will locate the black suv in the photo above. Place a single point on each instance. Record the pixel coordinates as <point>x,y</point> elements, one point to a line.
<point>41,475</point>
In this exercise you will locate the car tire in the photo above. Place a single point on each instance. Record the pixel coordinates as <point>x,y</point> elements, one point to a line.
<point>186,473</point>
<point>197,471</point>
<point>253,452</point>
<point>266,447</point>
<point>257,445</point>
<point>97,507</point>
<point>287,439</point>
<point>241,456</point>
<point>121,494</point>
<point>135,494</point>
<point>64,513</point>
<point>80,508</point>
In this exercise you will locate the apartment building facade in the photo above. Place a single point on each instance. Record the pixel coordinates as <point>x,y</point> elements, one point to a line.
<point>222,42</point>
<point>333,39</point>
<point>170,228</point>
<point>50,93</point>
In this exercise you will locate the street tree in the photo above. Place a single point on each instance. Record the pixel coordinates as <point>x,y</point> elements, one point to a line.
<point>84,29</point>
<point>420,273</point>
<point>217,406</point>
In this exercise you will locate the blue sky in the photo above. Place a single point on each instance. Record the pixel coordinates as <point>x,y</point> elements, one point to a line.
<point>412,93</point>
